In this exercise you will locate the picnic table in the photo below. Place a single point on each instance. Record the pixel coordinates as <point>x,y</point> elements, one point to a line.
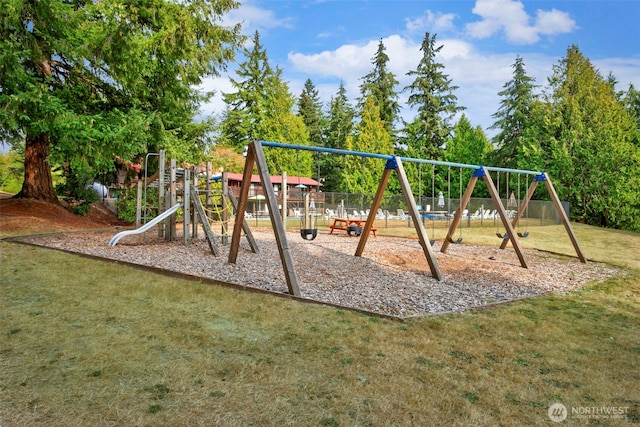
<point>344,223</point>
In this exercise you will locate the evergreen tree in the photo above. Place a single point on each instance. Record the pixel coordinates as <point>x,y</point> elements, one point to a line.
<point>262,108</point>
<point>82,82</point>
<point>380,83</point>
<point>631,102</point>
<point>513,117</point>
<point>431,95</point>
<point>590,146</point>
<point>340,128</point>
<point>310,109</point>
<point>242,115</point>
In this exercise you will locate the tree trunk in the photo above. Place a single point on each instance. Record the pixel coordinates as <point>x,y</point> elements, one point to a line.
<point>38,183</point>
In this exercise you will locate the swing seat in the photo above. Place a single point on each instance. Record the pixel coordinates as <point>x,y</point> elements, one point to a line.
<point>456,242</point>
<point>524,235</point>
<point>506,235</point>
<point>354,230</point>
<point>432,242</point>
<point>308,233</point>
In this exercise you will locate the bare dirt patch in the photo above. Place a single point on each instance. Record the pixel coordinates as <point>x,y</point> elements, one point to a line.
<point>27,216</point>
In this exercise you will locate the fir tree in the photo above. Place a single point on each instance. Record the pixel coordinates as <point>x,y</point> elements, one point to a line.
<point>340,128</point>
<point>513,117</point>
<point>242,115</point>
<point>432,96</point>
<point>380,83</point>
<point>310,109</point>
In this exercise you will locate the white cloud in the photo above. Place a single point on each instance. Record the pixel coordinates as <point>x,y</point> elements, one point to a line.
<point>479,75</point>
<point>510,17</point>
<point>554,22</point>
<point>432,21</point>
<point>255,18</point>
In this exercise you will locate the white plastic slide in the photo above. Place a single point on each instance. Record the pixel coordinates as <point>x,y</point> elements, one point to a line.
<point>164,215</point>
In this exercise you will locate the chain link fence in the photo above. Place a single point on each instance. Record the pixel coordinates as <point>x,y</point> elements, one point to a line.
<point>478,212</point>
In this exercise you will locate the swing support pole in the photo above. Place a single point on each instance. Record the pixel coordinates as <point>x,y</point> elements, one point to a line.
<point>458,216</point>
<point>563,215</point>
<point>392,164</point>
<point>482,172</point>
<point>255,155</point>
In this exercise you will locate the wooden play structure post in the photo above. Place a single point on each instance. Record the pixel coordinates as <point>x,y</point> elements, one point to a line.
<point>139,204</point>
<point>563,215</point>
<point>285,197</point>
<point>161,195</point>
<point>186,208</point>
<point>194,215</point>
<point>225,208</point>
<point>172,200</point>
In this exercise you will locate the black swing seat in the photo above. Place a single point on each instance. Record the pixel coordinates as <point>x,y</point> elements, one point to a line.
<point>524,235</point>
<point>457,241</point>
<point>505,236</point>
<point>354,230</point>
<point>308,233</point>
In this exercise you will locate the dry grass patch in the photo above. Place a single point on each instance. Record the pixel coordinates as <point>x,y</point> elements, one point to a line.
<point>86,342</point>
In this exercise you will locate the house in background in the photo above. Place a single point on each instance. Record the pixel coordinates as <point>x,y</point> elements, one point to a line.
<point>297,188</point>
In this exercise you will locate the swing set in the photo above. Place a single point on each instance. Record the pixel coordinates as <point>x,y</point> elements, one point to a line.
<point>255,157</point>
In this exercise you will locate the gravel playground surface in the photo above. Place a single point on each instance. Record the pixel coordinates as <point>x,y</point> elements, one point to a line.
<point>391,278</point>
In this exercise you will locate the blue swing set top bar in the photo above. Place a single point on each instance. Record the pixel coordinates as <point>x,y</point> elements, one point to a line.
<point>390,157</point>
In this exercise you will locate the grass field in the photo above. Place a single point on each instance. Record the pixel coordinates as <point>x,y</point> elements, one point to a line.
<point>91,343</point>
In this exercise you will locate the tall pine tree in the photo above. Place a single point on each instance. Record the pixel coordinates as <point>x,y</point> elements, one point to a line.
<point>262,108</point>
<point>380,83</point>
<point>431,94</point>
<point>310,109</point>
<point>243,106</point>
<point>340,128</point>
<point>514,117</point>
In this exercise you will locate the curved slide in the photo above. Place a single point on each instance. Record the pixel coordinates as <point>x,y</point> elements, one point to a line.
<point>164,215</point>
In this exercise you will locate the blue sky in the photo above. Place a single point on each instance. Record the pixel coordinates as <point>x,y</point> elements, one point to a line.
<point>333,41</point>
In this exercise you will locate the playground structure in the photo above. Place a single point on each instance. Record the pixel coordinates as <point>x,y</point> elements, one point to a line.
<point>178,189</point>
<point>255,157</point>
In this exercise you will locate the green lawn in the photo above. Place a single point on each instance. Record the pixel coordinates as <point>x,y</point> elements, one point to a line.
<point>89,343</point>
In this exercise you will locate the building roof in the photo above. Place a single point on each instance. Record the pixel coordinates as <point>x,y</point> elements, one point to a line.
<point>277,179</point>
